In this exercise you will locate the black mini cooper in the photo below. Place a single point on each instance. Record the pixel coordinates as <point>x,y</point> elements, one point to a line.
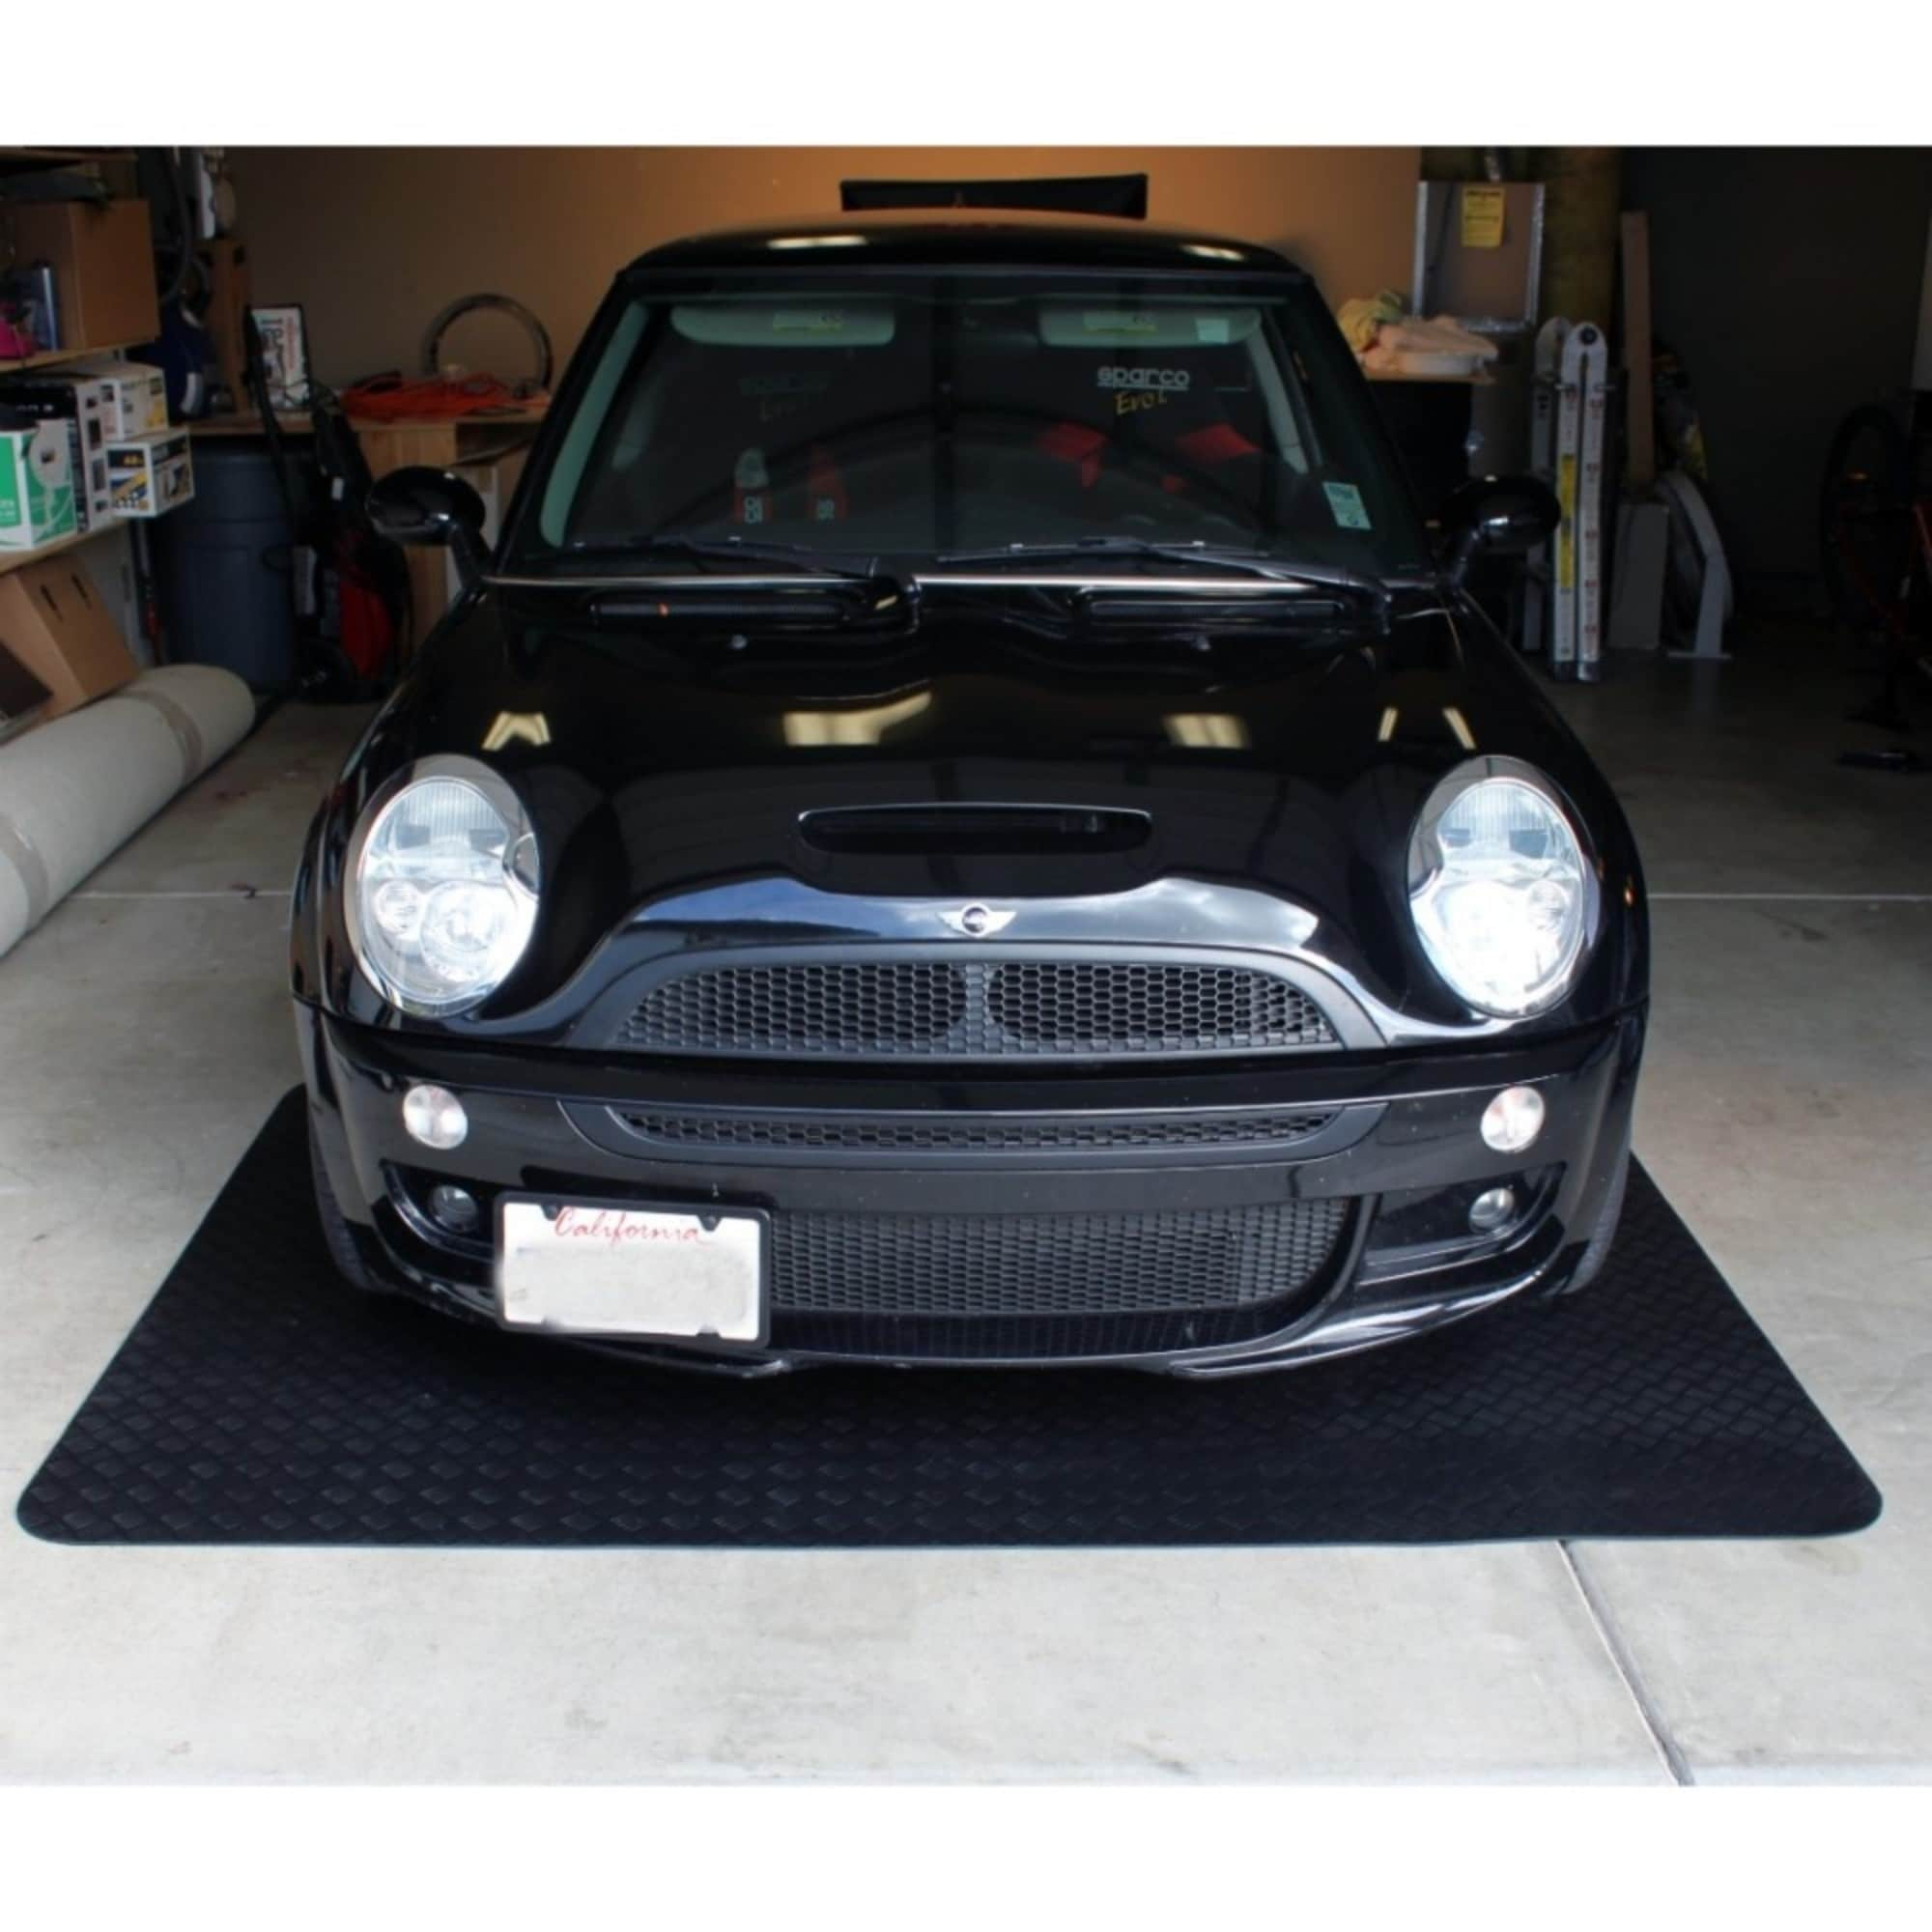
<point>965,821</point>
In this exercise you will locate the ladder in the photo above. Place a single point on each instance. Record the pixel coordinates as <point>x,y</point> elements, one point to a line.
<point>1563,604</point>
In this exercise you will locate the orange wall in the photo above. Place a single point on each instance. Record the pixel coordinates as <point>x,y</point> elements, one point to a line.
<point>373,242</point>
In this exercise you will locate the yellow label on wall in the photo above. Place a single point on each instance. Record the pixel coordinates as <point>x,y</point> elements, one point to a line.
<point>1482,218</point>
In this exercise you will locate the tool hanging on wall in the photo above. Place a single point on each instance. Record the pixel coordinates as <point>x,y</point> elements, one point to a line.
<point>1563,604</point>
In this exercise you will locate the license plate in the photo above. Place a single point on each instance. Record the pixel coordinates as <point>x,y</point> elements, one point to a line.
<point>588,1268</point>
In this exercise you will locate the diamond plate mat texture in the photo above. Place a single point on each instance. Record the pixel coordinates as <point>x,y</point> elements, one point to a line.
<point>258,1401</point>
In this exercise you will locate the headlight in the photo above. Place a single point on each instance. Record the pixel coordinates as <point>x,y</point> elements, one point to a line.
<point>442,887</point>
<point>1503,899</point>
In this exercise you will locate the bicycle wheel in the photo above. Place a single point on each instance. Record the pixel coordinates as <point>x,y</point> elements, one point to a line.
<point>1865,521</point>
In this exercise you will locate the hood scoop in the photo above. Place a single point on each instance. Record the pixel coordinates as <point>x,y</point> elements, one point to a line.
<point>990,830</point>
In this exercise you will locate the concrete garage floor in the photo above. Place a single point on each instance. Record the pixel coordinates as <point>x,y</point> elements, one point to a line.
<point>1786,1109</point>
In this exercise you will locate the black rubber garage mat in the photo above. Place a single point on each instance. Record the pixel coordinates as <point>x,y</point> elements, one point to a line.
<point>258,1401</point>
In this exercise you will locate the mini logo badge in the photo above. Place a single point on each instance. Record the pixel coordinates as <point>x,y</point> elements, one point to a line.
<point>978,922</point>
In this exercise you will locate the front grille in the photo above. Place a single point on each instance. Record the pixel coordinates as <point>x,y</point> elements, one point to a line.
<point>977,1011</point>
<point>1042,1286</point>
<point>967,1133</point>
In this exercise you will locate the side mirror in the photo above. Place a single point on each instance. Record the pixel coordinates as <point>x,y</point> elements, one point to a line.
<point>420,505</point>
<point>1506,515</point>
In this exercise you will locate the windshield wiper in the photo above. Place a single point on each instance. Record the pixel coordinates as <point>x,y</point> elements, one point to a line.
<point>1258,564</point>
<point>809,591</point>
<point>803,558</point>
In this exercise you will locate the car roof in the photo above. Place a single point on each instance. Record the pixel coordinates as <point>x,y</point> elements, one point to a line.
<point>986,238</point>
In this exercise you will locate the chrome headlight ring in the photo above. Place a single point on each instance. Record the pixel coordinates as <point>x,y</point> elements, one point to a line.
<point>440,887</point>
<point>1502,888</point>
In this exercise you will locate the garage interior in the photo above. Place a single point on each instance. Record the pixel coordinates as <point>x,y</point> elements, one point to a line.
<point>1764,737</point>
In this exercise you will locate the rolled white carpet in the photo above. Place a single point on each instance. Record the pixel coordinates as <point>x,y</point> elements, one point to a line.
<point>74,790</point>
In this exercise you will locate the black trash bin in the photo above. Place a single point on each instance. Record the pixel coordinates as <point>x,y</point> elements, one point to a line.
<point>223,566</point>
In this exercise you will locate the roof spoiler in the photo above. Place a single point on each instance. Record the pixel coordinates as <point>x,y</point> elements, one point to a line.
<point>1124,195</point>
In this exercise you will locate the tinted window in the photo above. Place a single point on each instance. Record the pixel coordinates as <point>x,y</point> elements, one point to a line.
<point>913,414</point>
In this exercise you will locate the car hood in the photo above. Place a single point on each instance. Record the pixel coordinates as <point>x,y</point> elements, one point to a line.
<point>658,759</point>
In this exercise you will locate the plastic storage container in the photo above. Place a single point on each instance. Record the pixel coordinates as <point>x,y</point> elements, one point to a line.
<point>223,566</point>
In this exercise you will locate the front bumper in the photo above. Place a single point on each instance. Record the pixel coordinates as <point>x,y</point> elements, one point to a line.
<point>1400,1145</point>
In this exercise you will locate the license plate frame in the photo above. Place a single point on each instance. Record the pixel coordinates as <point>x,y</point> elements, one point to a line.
<point>528,1303</point>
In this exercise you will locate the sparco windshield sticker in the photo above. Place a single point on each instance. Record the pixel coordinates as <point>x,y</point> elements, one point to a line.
<point>1111,376</point>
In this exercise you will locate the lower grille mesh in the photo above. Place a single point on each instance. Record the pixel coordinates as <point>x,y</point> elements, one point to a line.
<point>969,1266</point>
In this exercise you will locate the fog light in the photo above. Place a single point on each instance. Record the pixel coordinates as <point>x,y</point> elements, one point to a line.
<point>454,1208</point>
<point>1490,1210</point>
<point>435,1117</point>
<point>1513,1120</point>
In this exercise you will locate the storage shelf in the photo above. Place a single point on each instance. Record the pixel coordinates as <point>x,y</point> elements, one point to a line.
<point>298,423</point>
<point>291,423</point>
<point>1474,379</point>
<point>32,161</point>
<point>47,358</point>
<point>17,560</point>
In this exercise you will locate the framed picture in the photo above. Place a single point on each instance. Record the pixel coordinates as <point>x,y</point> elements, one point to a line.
<point>284,354</point>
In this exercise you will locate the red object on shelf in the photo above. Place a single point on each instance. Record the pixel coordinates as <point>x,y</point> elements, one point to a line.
<point>391,399</point>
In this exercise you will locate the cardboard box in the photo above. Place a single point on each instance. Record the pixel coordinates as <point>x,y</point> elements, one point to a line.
<point>23,697</point>
<point>109,559</point>
<point>53,622</point>
<point>150,475</point>
<point>103,264</point>
<point>56,398</point>
<point>92,395</point>
<point>37,477</point>
<point>133,396</point>
<point>68,429</point>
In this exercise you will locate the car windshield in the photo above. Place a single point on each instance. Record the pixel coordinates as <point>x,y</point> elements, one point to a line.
<point>932,416</point>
